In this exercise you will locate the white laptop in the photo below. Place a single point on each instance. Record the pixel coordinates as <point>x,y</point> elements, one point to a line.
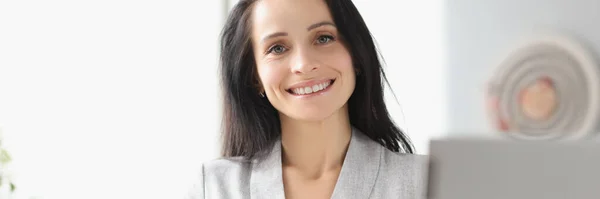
<point>505,169</point>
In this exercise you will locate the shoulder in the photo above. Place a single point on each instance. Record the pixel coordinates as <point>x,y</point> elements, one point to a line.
<point>222,176</point>
<point>405,173</point>
<point>409,168</point>
<point>222,167</point>
<point>393,163</point>
<point>390,159</point>
<point>225,171</point>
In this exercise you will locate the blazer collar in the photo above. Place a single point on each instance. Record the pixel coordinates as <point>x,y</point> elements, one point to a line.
<point>356,179</point>
<point>266,179</point>
<point>360,168</point>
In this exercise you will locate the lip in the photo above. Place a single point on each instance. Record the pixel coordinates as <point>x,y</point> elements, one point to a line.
<point>310,83</point>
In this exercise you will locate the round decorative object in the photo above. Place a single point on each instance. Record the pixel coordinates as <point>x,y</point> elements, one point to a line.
<point>538,100</point>
<point>547,88</point>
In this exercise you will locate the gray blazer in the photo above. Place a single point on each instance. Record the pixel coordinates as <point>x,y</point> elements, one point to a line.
<point>369,171</point>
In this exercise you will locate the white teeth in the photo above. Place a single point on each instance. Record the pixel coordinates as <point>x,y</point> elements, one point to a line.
<point>310,89</point>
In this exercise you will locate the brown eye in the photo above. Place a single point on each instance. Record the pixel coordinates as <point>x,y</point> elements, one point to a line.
<point>323,39</point>
<point>277,49</point>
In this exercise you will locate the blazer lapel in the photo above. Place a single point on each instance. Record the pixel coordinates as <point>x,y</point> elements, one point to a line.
<point>360,168</point>
<point>356,179</point>
<point>266,179</point>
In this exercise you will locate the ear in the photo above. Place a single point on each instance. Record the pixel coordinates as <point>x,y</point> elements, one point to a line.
<point>259,87</point>
<point>258,84</point>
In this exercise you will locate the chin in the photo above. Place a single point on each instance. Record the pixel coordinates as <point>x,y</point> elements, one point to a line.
<point>312,115</point>
<point>311,118</point>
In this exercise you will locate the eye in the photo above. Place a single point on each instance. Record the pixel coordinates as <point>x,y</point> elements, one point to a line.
<point>323,39</point>
<point>277,49</point>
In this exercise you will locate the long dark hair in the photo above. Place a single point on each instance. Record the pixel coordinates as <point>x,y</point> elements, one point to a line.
<point>251,124</point>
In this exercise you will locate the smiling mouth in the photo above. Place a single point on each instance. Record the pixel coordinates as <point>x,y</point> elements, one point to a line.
<point>311,89</point>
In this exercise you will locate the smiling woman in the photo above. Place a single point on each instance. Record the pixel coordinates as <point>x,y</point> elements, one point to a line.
<point>304,112</point>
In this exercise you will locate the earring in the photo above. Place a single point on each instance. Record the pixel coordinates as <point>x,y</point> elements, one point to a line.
<point>262,94</point>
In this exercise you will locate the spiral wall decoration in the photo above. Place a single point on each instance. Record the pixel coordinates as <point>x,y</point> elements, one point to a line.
<point>546,89</point>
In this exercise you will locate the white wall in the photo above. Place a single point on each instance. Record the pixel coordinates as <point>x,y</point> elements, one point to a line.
<point>108,99</point>
<point>481,33</point>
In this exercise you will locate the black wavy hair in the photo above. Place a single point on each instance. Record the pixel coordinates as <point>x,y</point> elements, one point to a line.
<point>251,124</point>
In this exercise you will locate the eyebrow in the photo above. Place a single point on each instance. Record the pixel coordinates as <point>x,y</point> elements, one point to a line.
<point>323,23</point>
<point>279,34</point>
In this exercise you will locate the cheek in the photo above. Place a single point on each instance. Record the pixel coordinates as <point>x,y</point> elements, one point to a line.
<point>271,76</point>
<point>342,61</point>
<point>343,64</point>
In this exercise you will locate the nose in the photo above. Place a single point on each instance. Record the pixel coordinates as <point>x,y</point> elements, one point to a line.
<point>304,63</point>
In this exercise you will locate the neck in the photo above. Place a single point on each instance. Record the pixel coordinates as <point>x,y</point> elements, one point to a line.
<point>316,147</point>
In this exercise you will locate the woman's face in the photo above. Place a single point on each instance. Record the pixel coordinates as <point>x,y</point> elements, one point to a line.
<point>304,68</point>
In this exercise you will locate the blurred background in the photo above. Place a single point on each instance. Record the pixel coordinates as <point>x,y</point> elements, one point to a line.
<point>120,99</point>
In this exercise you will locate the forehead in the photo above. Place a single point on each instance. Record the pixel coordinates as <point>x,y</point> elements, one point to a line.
<point>288,15</point>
